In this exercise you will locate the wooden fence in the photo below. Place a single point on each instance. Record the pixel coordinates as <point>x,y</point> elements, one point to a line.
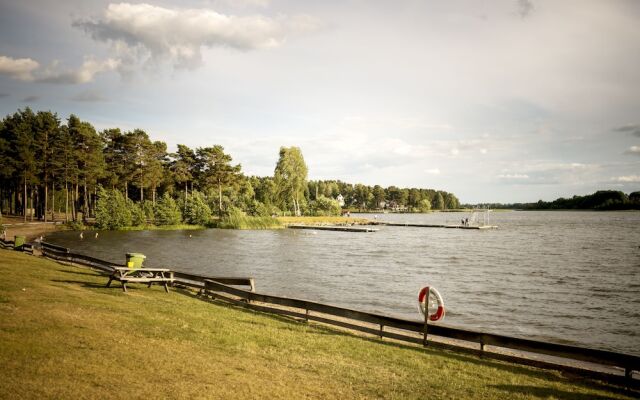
<point>180,278</point>
<point>612,366</point>
<point>486,344</point>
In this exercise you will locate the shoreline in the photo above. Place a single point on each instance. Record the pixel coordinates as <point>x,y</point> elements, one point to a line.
<point>330,360</point>
<point>31,230</point>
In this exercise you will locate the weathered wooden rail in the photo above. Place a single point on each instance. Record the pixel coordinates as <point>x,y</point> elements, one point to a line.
<point>60,253</point>
<point>611,366</point>
<point>525,351</point>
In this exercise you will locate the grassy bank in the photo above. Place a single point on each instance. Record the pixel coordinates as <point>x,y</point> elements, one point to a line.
<point>239,220</point>
<point>64,335</point>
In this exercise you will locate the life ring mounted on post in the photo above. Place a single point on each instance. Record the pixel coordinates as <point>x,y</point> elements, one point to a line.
<point>435,300</point>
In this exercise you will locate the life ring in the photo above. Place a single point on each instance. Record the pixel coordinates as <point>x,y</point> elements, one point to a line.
<point>433,295</point>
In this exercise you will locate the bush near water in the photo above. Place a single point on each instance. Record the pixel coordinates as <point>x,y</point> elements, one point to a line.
<point>113,211</point>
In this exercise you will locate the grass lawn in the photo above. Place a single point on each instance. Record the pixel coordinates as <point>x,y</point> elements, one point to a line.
<point>64,335</point>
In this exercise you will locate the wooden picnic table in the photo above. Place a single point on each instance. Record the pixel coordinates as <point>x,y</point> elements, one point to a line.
<point>125,275</point>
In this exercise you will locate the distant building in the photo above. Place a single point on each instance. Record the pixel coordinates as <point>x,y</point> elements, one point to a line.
<point>340,199</point>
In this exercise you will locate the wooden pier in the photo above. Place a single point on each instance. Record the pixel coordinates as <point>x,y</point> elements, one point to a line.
<point>334,228</point>
<point>475,227</point>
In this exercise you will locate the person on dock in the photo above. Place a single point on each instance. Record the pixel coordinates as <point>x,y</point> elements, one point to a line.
<point>3,236</point>
<point>466,221</point>
<point>462,222</point>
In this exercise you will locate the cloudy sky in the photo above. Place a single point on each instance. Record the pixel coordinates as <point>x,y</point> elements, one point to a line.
<point>514,100</point>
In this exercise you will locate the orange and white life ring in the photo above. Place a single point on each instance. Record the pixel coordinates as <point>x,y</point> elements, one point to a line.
<point>435,300</point>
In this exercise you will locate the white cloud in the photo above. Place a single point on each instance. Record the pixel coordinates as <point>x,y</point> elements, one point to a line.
<point>26,69</point>
<point>89,68</point>
<point>18,68</point>
<point>157,34</point>
<point>633,150</point>
<point>433,171</point>
<point>627,179</point>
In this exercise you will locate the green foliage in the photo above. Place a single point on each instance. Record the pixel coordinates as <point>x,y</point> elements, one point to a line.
<point>75,225</point>
<point>324,206</point>
<point>237,219</point>
<point>425,205</point>
<point>167,211</point>
<point>217,171</point>
<point>149,214</point>
<point>291,178</point>
<point>112,210</point>
<point>138,216</point>
<point>438,202</point>
<point>196,210</point>
<point>68,159</point>
<point>600,200</point>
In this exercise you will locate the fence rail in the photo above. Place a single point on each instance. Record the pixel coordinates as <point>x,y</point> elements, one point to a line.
<point>405,330</point>
<point>626,362</point>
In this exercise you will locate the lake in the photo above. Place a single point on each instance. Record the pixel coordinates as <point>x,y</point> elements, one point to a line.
<point>568,277</point>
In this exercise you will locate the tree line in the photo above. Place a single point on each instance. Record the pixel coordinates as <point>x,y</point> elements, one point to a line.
<point>600,200</point>
<point>49,166</point>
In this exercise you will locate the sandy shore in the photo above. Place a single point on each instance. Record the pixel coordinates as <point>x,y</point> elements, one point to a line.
<point>15,226</point>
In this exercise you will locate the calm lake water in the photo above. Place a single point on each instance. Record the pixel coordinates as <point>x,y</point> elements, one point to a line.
<point>570,277</point>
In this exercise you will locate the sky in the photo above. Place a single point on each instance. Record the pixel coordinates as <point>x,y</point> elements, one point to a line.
<point>495,101</point>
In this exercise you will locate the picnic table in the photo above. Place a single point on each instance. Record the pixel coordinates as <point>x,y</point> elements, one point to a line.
<point>162,276</point>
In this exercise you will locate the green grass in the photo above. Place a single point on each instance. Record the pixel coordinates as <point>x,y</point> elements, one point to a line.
<point>239,220</point>
<point>65,336</point>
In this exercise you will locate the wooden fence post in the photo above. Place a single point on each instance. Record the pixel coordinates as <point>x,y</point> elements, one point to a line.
<point>426,318</point>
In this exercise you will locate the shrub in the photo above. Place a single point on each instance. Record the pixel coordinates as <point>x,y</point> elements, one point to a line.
<point>112,210</point>
<point>425,205</point>
<point>196,211</point>
<point>138,216</point>
<point>167,211</point>
<point>237,219</point>
<point>324,206</point>
<point>147,207</point>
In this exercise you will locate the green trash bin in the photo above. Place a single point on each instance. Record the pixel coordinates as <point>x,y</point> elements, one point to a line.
<point>18,242</point>
<point>135,260</point>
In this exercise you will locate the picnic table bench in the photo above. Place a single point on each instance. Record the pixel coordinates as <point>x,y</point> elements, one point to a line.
<point>163,276</point>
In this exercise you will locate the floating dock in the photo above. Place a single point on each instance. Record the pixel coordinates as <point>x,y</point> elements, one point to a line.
<point>334,228</point>
<point>475,227</point>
